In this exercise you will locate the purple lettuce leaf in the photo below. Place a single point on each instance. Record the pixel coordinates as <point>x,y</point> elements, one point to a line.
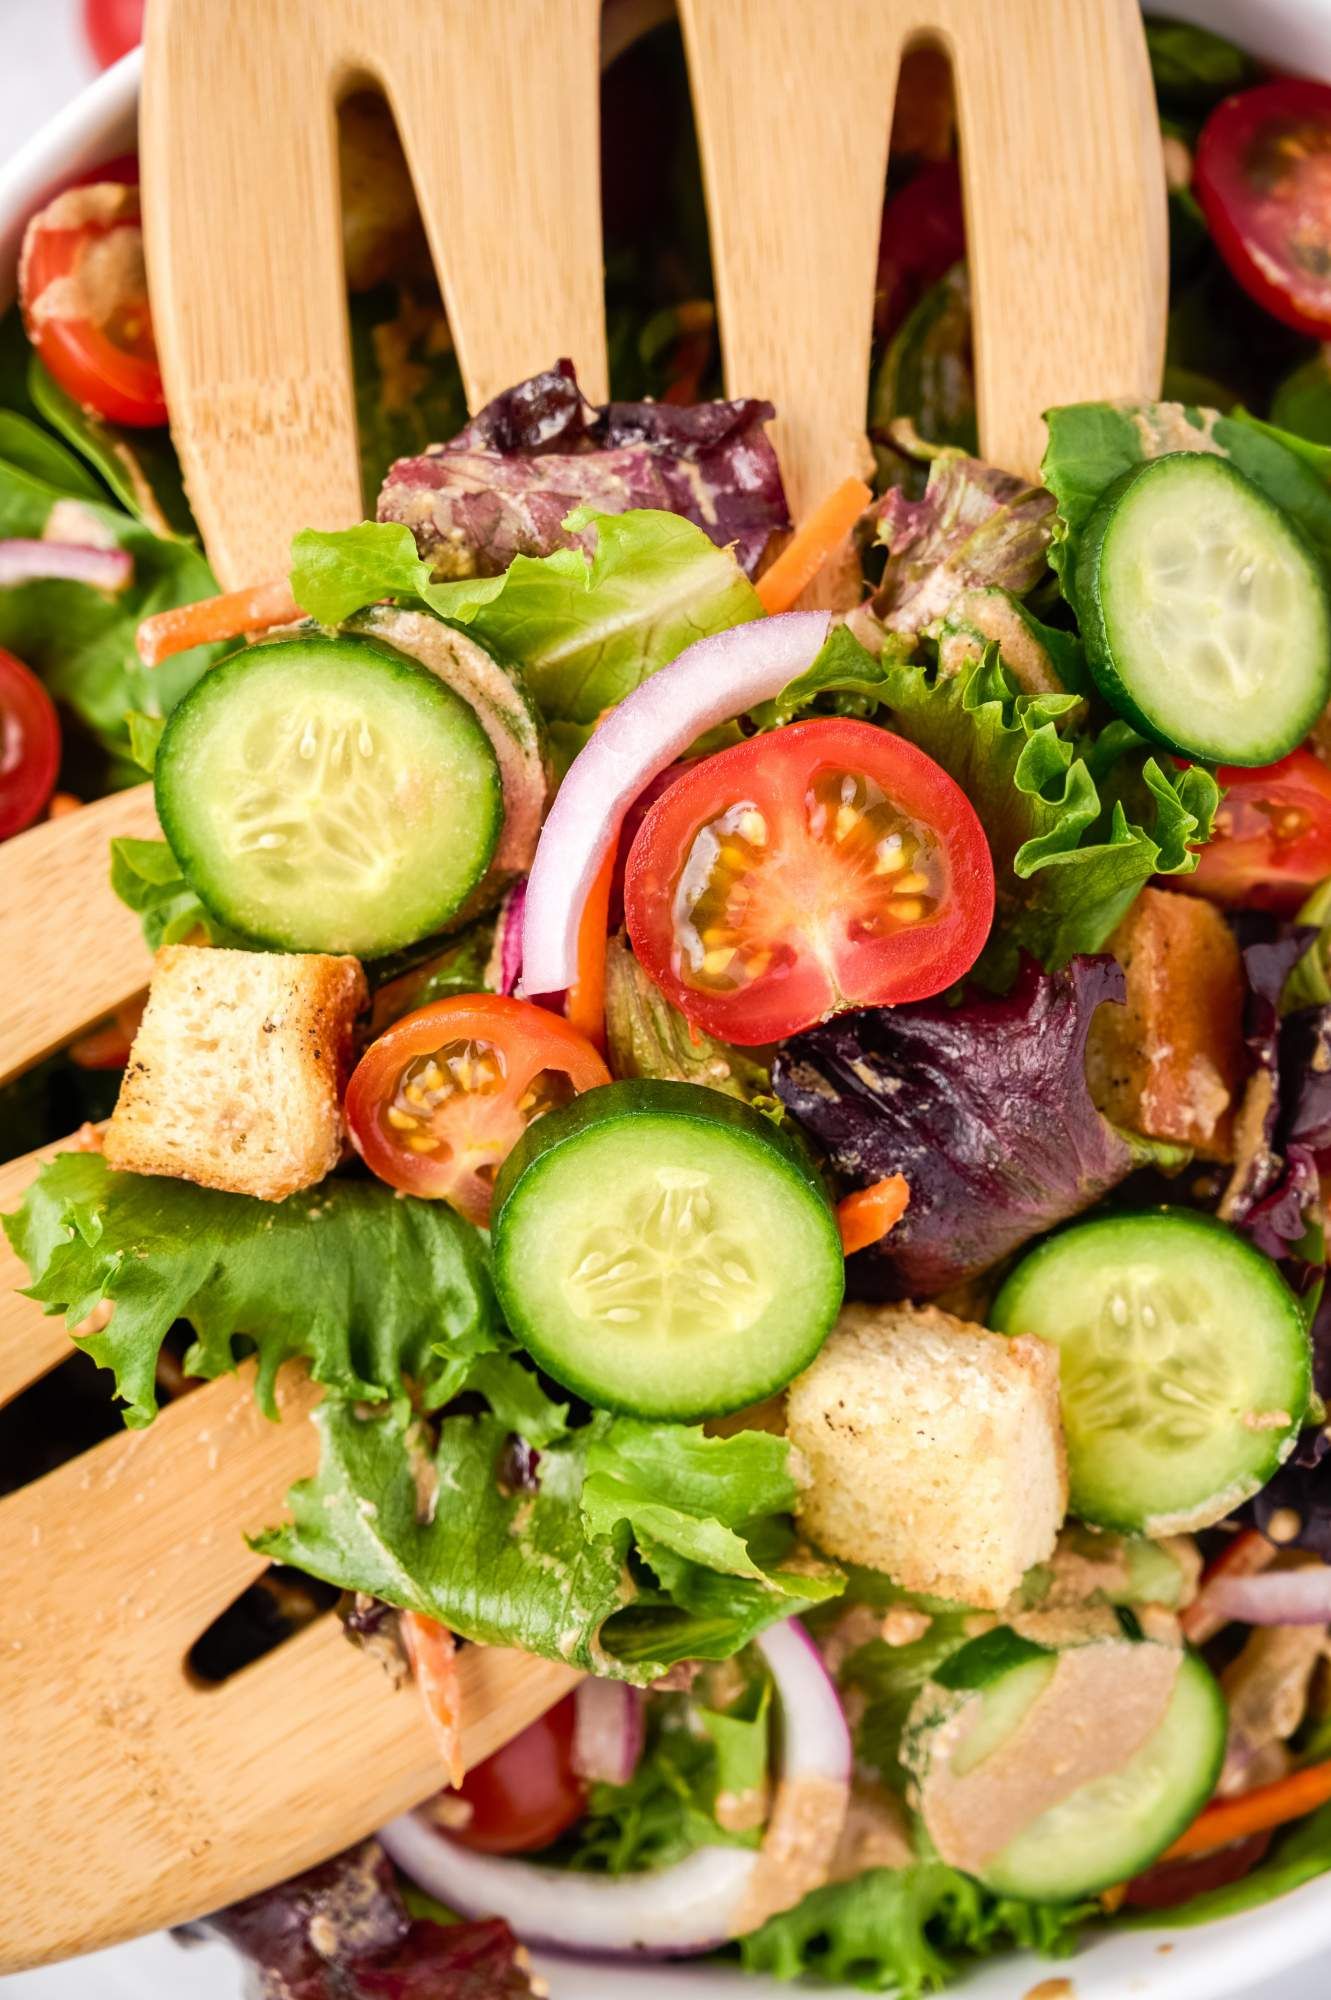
<point>1274,1192</point>
<point>974,527</point>
<point>504,485</point>
<point>1285,1119</point>
<point>342,1932</point>
<point>983,1107</point>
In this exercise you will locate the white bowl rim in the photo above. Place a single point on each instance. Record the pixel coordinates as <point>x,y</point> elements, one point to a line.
<point>1205,1963</point>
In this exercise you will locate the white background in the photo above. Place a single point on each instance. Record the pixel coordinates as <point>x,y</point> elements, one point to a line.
<point>43,62</point>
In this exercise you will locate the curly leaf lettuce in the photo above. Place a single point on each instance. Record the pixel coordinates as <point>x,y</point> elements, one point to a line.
<point>904,1931</point>
<point>529,1556</point>
<point>585,628</point>
<point>371,1288</point>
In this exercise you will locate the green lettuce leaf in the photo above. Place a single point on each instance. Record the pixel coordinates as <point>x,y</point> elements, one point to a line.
<point>678,1488</point>
<point>518,1561</point>
<point>904,1931</point>
<point>694,1754</point>
<point>1299,1854</point>
<point>584,630</point>
<point>147,878</point>
<point>370,1287</point>
<point>1076,826</point>
<point>1092,444</point>
<point>80,640</point>
<point>139,467</point>
<point>29,448</point>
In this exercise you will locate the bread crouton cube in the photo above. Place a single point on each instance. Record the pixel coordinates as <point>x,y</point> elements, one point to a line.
<point>935,1451</point>
<point>236,1071</point>
<point>1171,1063</point>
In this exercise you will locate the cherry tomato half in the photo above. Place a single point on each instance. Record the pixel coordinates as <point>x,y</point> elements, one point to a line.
<point>1263,177</point>
<point>113,28</point>
<point>1272,840</point>
<point>29,745</point>
<point>528,1793</point>
<point>437,1104</point>
<point>828,865</point>
<point>84,293</point>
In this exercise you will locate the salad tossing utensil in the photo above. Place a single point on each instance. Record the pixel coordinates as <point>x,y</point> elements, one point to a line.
<point>137,1797</point>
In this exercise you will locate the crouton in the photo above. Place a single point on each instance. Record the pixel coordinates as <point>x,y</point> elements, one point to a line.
<point>1170,1064</point>
<point>236,1070</point>
<point>934,1451</point>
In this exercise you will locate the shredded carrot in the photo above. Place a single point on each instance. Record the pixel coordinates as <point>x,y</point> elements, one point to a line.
<point>1257,1811</point>
<point>866,1216</point>
<point>810,546</point>
<point>434,1661</point>
<point>61,804</point>
<point>1247,1555</point>
<point>230,616</point>
<point>584,1007</point>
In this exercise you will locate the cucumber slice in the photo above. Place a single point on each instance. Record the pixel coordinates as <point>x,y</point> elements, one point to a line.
<point>1204,611</point>
<point>506,712</point>
<point>664,1250</point>
<point>326,794</point>
<point>976,1777</point>
<point>1184,1365</point>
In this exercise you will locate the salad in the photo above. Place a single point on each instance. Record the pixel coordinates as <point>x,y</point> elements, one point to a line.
<point>790,1139</point>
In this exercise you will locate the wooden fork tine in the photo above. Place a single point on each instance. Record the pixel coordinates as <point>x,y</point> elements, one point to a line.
<point>251,321</point>
<point>795,289</point>
<point>71,950</point>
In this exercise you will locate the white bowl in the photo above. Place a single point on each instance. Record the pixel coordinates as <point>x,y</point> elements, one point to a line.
<point>1251,1951</point>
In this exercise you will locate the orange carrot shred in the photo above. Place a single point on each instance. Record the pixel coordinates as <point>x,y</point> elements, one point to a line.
<point>230,616</point>
<point>810,546</point>
<point>866,1216</point>
<point>584,1007</point>
<point>433,1655</point>
<point>1257,1811</point>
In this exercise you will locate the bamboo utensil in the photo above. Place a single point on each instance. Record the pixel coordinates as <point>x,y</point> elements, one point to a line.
<point>135,1798</point>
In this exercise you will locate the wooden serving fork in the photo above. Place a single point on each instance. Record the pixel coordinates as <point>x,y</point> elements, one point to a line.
<point>133,1796</point>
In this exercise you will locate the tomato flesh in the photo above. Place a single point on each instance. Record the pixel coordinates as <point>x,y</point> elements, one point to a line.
<point>528,1793</point>
<point>84,294</point>
<point>439,1101</point>
<point>1263,178</point>
<point>29,746</point>
<point>829,865</point>
<point>1272,839</point>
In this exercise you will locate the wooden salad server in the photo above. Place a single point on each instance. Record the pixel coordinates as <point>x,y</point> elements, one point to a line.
<point>134,1797</point>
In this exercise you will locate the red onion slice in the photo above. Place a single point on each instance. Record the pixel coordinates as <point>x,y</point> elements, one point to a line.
<point>709,683</point>
<point>608,1730</point>
<point>24,561</point>
<point>716,1893</point>
<point>1277,1597</point>
<point>503,973</point>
